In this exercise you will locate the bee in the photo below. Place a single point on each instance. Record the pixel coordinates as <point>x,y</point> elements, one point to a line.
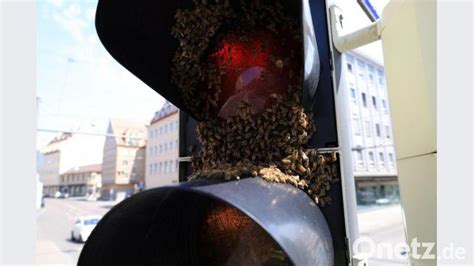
<point>279,64</point>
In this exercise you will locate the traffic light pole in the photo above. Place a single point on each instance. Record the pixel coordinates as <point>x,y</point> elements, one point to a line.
<point>343,132</point>
<point>345,43</point>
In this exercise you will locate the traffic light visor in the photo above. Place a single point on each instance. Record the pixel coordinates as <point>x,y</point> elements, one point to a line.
<point>249,221</point>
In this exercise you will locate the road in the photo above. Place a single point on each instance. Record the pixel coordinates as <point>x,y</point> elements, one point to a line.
<point>55,220</point>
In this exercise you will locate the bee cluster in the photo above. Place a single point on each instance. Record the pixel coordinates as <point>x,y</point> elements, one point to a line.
<point>272,144</point>
<point>194,30</point>
<point>234,235</point>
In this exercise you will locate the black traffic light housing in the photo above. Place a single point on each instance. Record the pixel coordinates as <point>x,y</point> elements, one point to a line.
<point>165,226</point>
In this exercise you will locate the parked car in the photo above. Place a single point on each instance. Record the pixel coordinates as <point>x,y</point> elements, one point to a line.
<point>64,195</point>
<point>387,200</point>
<point>83,227</point>
<point>57,194</point>
<point>382,201</point>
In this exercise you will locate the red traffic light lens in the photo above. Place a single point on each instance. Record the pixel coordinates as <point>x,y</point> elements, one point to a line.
<point>256,70</point>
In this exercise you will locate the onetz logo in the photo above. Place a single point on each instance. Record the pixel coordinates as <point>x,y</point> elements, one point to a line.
<point>368,248</point>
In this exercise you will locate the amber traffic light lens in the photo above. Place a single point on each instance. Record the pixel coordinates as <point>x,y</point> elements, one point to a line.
<point>229,237</point>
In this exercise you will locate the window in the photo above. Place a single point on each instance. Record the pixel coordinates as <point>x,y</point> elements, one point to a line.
<point>371,78</point>
<point>387,131</point>
<point>390,157</point>
<point>364,99</point>
<point>356,126</point>
<point>359,155</point>
<point>150,169</point>
<point>349,67</point>
<point>160,168</point>
<point>368,130</point>
<point>151,134</point>
<point>124,163</point>
<point>161,148</point>
<point>171,166</point>
<point>353,95</point>
<point>166,167</point>
<point>382,159</point>
<point>374,102</point>
<point>161,130</point>
<point>371,156</point>
<point>166,128</point>
<point>381,81</point>
<point>176,165</point>
<point>384,105</point>
<point>377,129</point>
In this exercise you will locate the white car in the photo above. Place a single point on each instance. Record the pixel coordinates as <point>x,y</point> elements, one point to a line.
<point>382,201</point>
<point>83,227</point>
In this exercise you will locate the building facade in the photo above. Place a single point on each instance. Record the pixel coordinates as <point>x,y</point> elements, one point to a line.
<point>123,164</point>
<point>163,147</point>
<point>82,180</point>
<point>374,159</point>
<point>66,151</point>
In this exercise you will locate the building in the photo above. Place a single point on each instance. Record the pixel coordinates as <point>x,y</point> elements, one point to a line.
<point>65,151</point>
<point>81,180</point>
<point>374,159</point>
<point>162,148</point>
<point>123,164</point>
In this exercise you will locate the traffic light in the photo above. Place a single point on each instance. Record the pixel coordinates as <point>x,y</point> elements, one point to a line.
<point>256,78</point>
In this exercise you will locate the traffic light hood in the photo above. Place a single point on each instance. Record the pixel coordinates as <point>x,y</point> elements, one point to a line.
<point>138,34</point>
<point>206,222</point>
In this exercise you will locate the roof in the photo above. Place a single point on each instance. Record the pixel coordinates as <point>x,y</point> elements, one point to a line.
<point>167,110</point>
<point>60,137</point>
<point>122,129</point>
<point>84,169</point>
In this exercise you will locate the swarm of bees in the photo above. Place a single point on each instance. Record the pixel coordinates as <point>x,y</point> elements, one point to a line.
<point>272,144</point>
<point>234,235</point>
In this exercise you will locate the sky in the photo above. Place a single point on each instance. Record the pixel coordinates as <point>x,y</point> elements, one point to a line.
<point>78,82</point>
<point>80,86</point>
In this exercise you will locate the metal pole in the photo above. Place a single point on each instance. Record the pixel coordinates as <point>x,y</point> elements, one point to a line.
<point>351,41</point>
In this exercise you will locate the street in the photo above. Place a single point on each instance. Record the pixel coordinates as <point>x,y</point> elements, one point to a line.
<point>56,219</point>
<point>383,225</point>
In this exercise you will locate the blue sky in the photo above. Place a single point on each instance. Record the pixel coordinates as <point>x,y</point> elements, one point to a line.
<point>78,82</point>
